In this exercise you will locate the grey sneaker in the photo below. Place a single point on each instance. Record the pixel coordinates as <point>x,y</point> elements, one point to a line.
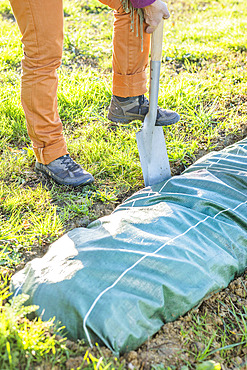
<point>65,171</point>
<point>135,108</point>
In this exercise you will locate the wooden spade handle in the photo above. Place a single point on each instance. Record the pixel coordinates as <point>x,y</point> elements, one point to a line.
<point>156,42</point>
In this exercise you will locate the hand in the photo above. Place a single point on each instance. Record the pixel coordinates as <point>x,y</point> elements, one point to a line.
<point>154,13</point>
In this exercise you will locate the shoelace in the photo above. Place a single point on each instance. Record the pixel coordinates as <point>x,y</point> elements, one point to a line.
<point>69,163</point>
<point>142,100</point>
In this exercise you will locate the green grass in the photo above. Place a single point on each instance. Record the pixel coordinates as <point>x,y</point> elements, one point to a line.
<point>26,343</point>
<point>225,341</point>
<point>203,77</point>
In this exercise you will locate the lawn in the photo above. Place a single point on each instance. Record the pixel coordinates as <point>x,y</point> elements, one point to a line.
<point>203,78</point>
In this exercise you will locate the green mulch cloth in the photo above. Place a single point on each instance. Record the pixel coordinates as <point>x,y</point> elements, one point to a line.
<point>159,254</point>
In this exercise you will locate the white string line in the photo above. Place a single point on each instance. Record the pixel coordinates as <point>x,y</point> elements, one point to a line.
<point>126,207</point>
<point>214,163</point>
<point>150,193</point>
<point>130,268</point>
<point>148,254</point>
<point>162,187</point>
<point>222,157</point>
<point>240,147</point>
<point>205,168</point>
<point>21,285</point>
<point>140,260</point>
<point>122,250</point>
<point>228,186</point>
<point>121,205</point>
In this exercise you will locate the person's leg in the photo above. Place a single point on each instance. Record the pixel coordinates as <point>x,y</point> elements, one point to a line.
<point>41,26</point>
<point>130,59</point>
<point>130,56</point>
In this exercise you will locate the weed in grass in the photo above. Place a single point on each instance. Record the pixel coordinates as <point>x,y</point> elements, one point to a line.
<point>73,205</point>
<point>234,328</point>
<point>227,339</point>
<point>24,343</point>
<point>208,365</point>
<point>101,362</point>
<point>105,196</point>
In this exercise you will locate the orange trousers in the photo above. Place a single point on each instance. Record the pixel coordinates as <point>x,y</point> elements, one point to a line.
<point>41,26</point>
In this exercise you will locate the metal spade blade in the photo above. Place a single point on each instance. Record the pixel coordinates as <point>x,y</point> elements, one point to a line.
<point>150,139</point>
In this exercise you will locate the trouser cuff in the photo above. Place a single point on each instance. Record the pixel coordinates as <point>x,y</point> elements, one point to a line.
<point>50,153</point>
<point>129,85</point>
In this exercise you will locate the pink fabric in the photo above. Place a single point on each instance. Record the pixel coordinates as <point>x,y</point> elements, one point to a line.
<point>141,3</point>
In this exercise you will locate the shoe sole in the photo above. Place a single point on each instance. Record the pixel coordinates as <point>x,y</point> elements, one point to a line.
<point>117,119</point>
<point>171,122</point>
<point>49,175</point>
